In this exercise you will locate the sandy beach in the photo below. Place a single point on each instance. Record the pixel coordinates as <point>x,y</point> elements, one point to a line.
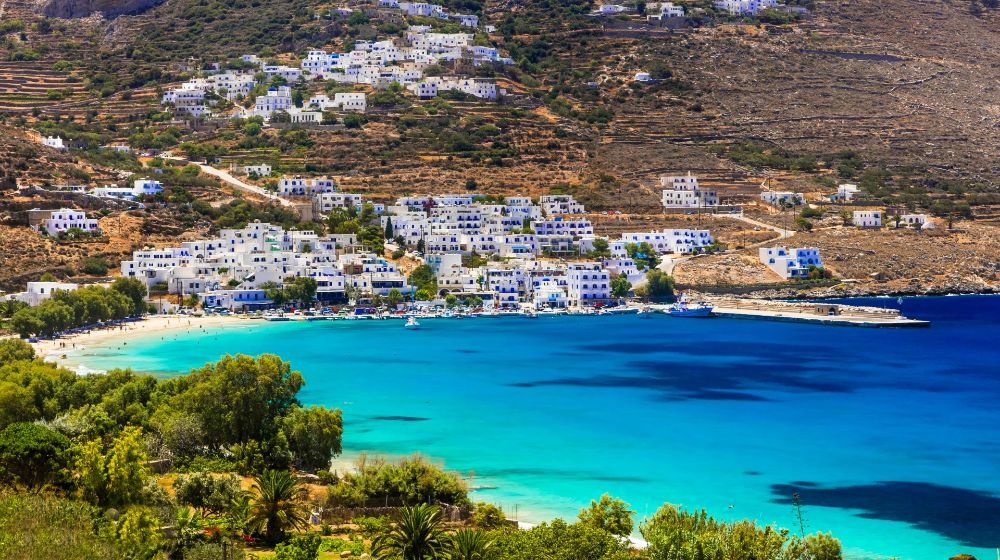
<point>62,350</point>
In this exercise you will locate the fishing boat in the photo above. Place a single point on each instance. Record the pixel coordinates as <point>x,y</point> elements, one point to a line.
<point>644,312</point>
<point>685,308</point>
<point>411,324</point>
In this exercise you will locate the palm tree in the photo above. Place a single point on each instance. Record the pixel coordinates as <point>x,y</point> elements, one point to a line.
<point>470,544</point>
<point>278,505</point>
<point>417,536</point>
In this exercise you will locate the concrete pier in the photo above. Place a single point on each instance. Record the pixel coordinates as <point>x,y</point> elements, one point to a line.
<point>836,314</point>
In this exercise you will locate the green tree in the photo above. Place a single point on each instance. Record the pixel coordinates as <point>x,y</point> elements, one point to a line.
<point>126,468</point>
<point>394,298</point>
<point>423,278</point>
<point>117,478</point>
<point>314,436</point>
<point>620,286</point>
<point>138,534</point>
<point>418,535</point>
<point>610,514</point>
<point>32,456</point>
<point>279,505</point>
<point>209,493</point>
<point>134,290</point>
<point>240,397</point>
<point>388,229</point>
<point>12,349</point>
<point>560,541</point>
<point>643,254</point>
<point>659,284</point>
<point>601,249</point>
<point>488,516</point>
<point>470,544</point>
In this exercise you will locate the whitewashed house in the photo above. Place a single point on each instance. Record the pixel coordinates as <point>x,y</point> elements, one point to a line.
<point>560,205</point>
<point>682,192</point>
<point>53,142</point>
<point>790,263</point>
<point>913,220</point>
<point>276,99</point>
<point>868,218</point>
<point>780,198</point>
<point>745,7</point>
<point>296,186</point>
<point>65,219</point>
<point>564,226</point>
<point>587,283</point>
<point>37,292</point>
<point>845,193</point>
<point>679,241</point>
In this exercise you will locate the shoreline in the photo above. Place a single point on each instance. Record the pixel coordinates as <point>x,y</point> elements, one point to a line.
<point>63,350</point>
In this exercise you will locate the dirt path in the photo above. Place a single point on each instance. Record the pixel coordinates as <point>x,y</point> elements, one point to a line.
<point>225,177</point>
<point>783,233</point>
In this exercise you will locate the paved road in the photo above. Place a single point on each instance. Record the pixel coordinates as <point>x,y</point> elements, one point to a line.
<point>225,177</point>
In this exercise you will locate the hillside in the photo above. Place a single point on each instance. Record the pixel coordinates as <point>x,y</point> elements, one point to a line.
<point>844,94</point>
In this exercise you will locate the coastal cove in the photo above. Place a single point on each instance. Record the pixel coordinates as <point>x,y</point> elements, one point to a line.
<point>888,435</point>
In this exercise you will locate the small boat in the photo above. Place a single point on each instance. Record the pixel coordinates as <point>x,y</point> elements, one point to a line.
<point>644,313</point>
<point>277,318</point>
<point>412,324</point>
<point>529,313</point>
<point>685,308</point>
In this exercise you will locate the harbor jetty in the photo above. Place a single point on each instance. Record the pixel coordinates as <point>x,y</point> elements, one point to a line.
<point>837,314</point>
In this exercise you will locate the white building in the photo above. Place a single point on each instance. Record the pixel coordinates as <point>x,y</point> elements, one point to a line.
<point>683,192</point>
<point>260,170</point>
<point>659,10</point>
<point>54,142</point>
<point>564,226</point>
<point>745,7</point>
<point>790,263</point>
<point>296,186</point>
<point>680,241</point>
<point>868,218</point>
<point>560,205</point>
<point>65,219</point>
<point>845,193</point>
<point>587,283</point>
<point>276,99</point>
<point>37,292</point>
<point>780,198</point>
<point>913,220</point>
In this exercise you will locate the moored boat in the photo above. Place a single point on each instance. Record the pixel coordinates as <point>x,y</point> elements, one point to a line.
<point>685,308</point>
<point>411,324</point>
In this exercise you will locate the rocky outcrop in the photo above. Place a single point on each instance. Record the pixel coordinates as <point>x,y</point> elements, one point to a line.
<point>107,8</point>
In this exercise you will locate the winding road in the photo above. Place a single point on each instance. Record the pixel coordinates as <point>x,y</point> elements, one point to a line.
<point>784,233</point>
<point>228,179</point>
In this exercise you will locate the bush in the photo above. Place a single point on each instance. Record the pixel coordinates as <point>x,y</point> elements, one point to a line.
<point>32,456</point>
<point>409,481</point>
<point>95,266</point>
<point>488,516</point>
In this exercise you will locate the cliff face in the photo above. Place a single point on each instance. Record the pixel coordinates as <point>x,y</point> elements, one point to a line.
<point>108,8</point>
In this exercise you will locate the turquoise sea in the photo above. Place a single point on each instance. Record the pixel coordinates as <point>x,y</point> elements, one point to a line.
<point>890,436</point>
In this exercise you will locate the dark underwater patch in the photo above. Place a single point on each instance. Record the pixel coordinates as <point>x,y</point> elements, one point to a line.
<point>394,418</point>
<point>681,380</point>
<point>971,517</point>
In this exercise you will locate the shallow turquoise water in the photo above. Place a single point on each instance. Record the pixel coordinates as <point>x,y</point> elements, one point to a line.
<point>889,435</point>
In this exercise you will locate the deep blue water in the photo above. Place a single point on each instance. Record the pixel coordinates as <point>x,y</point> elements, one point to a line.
<point>889,435</point>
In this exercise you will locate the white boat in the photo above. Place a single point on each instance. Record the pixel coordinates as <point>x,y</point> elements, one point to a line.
<point>685,308</point>
<point>644,313</point>
<point>412,324</point>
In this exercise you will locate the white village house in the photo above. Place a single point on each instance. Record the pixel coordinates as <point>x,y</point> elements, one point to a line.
<point>790,263</point>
